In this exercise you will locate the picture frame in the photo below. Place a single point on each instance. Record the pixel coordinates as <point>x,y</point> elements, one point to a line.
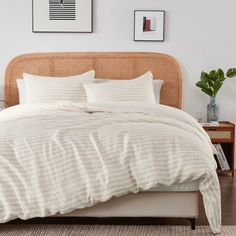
<point>62,16</point>
<point>149,25</point>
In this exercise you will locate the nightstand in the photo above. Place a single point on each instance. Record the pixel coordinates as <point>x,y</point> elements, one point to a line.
<point>224,135</point>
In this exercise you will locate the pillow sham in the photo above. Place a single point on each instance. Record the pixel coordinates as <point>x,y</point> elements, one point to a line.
<point>48,89</point>
<point>21,90</point>
<point>157,85</point>
<point>139,89</point>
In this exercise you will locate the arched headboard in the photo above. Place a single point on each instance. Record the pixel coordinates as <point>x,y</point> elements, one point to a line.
<point>108,65</point>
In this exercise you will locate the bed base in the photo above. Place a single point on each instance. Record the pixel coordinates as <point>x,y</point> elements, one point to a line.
<point>144,208</point>
<point>141,208</point>
<point>144,204</point>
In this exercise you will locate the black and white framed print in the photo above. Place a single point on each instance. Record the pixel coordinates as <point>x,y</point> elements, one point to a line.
<point>63,16</point>
<point>149,25</point>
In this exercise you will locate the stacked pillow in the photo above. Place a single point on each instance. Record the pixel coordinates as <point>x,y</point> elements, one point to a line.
<point>157,85</point>
<point>139,89</point>
<point>34,88</point>
<point>82,88</point>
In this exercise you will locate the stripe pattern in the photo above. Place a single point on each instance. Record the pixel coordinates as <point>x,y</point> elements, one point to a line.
<point>58,157</point>
<point>157,85</point>
<point>140,89</point>
<point>62,10</point>
<point>107,230</point>
<point>49,89</point>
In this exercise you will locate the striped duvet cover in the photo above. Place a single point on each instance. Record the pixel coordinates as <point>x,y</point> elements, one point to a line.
<point>63,156</point>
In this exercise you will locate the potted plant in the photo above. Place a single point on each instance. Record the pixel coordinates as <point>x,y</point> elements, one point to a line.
<point>210,83</point>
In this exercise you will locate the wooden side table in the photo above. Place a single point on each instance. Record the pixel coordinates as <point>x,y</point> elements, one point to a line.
<point>224,135</point>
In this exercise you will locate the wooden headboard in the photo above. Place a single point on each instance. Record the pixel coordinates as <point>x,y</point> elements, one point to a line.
<point>108,65</point>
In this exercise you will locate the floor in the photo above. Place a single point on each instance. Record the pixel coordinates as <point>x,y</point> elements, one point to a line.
<point>108,230</point>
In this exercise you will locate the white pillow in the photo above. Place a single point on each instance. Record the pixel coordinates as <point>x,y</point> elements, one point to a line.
<point>139,89</point>
<point>157,85</point>
<point>21,90</point>
<point>49,89</point>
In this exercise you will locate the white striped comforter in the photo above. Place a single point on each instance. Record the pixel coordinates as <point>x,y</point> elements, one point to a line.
<point>63,156</point>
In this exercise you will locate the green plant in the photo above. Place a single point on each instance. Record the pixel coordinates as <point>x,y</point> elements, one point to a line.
<point>210,83</point>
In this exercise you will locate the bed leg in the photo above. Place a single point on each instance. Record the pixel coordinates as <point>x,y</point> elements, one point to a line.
<point>193,223</point>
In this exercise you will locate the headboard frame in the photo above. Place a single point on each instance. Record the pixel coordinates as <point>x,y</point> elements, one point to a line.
<point>109,65</point>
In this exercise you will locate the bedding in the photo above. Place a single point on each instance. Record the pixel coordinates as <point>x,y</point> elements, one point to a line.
<point>62,156</point>
<point>21,90</point>
<point>49,89</point>
<point>139,90</point>
<point>157,85</point>
<point>192,186</point>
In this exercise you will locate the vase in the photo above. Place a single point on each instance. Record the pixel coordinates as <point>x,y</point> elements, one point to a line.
<point>213,110</point>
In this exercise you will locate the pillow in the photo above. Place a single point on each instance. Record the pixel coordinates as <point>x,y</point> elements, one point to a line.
<point>157,85</point>
<point>48,89</point>
<point>21,90</point>
<point>139,89</point>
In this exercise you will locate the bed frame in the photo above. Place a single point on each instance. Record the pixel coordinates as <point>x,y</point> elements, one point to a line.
<point>115,65</point>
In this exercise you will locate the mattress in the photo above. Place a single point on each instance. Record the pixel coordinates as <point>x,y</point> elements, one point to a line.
<point>182,187</point>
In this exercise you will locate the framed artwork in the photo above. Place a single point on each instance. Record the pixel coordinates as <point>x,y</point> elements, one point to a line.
<point>62,16</point>
<point>149,25</point>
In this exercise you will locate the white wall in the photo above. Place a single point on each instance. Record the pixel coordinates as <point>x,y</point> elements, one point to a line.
<point>200,34</point>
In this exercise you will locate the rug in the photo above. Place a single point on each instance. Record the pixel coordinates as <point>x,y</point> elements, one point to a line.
<point>107,230</point>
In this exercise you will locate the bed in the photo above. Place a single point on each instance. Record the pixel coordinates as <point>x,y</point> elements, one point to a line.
<point>179,200</point>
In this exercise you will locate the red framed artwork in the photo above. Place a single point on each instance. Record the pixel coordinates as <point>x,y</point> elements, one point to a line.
<point>149,25</point>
